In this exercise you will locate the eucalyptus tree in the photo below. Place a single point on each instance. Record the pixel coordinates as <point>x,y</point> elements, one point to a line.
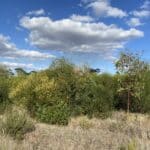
<point>131,68</point>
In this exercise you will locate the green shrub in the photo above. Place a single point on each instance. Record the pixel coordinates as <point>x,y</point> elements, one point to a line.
<point>142,104</point>
<point>40,96</point>
<point>36,89</point>
<point>58,114</point>
<point>42,92</point>
<point>63,73</point>
<point>62,90</point>
<point>146,94</point>
<point>95,95</point>
<point>16,124</point>
<point>4,88</point>
<point>79,92</point>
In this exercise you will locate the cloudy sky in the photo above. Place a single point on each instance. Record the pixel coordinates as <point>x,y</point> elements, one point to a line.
<point>35,32</point>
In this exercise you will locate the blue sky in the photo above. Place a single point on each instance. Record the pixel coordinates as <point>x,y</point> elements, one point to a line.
<point>35,32</point>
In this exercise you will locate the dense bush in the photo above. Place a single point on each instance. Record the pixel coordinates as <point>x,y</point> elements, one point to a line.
<point>64,75</point>
<point>141,105</point>
<point>53,95</point>
<point>31,90</point>
<point>145,103</point>
<point>39,96</point>
<point>95,95</point>
<point>4,88</point>
<point>56,114</point>
<point>63,90</point>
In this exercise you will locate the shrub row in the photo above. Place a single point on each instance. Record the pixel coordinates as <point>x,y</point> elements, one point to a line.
<point>63,90</point>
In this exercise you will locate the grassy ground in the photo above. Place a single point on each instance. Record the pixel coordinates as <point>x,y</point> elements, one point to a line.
<point>120,132</point>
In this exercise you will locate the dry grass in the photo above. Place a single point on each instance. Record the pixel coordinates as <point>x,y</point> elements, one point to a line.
<point>118,132</point>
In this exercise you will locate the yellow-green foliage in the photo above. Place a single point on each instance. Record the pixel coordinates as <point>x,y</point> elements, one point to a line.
<point>63,90</point>
<point>37,87</point>
<point>78,92</point>
<point>4,88</point>
<point>130,146</point>
<point>85,123</point>
<point>38,95</point>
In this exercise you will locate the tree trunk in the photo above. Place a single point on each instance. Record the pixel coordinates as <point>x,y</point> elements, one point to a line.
<point>128,102</point>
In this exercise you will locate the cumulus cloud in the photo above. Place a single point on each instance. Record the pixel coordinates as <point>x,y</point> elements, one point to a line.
<point>18,65</point>
<point>141,13</point>
<point>146,5</point>
<point>36,12</point>
<point>103,8</point>
<point>144,10</point>
<point>76,36</point>
<point>9,50</point>
<point>81,18</point>
<point>134,22</point>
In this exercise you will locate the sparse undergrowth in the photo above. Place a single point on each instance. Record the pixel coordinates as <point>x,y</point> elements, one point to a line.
<point>119,132</point>
<point>16,124</point>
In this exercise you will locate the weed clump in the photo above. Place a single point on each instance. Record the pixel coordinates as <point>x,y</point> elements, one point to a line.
<point>16,124</point>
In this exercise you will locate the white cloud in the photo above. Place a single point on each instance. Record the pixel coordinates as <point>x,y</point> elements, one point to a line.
<point>81,18</point>
<point>86,1</point>
<point>76,36</point>
<point>144,10</point>
<point>17,65</point>
<point>36,12</point>
<point>9,50</point>
<point>103,8</point>
<point>141,13</point>
<point>146,5</point>
<point>134,22</point>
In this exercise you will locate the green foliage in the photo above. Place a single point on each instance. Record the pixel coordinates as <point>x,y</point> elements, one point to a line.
<point>95,95</point>
<point>3,85</point>
<point>132,145</point>
<point>131,67</point>
<point>36,89</point>
<point>145,103</point>
<point>4,88</point>
<point>63,73</point>
<point>16,124</point>
<point>39,95</point>
<point>63,90</point>
<point>57,114</point>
